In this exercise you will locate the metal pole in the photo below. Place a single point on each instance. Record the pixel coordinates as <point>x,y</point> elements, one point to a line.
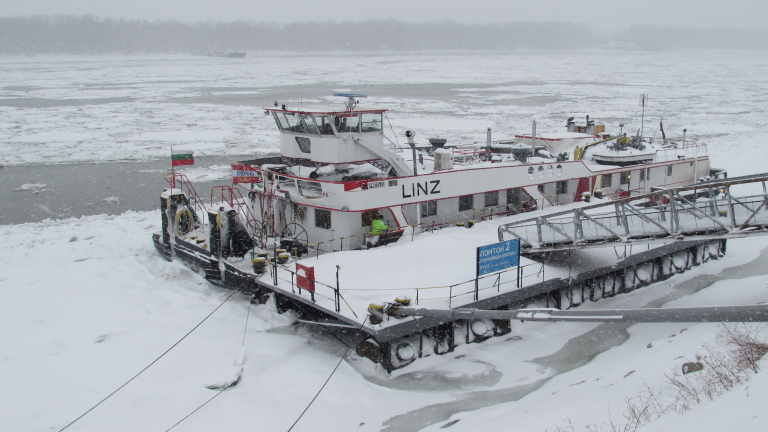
<point>337,300</point>
<point>274,265</point>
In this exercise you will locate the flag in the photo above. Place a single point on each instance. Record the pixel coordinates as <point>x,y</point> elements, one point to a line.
<point>181,157</point>
<point>661,126</point>
<point>245,174</point>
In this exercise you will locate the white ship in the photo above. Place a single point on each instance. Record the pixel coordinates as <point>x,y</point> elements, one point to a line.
<point>338,170</point>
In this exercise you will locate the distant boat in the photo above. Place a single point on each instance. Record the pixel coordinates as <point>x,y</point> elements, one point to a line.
<point>233,54</point>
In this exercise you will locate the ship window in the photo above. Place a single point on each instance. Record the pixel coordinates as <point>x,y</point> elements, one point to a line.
<point>530,173</point>
<point>642,174</point>
<point>541,172</point>
<point>559,170</point>
<point>371,122</point>
<point>293,122</point>
<point>347,122</point>
<point>550,171</point>
<point>669,170</point>
<point>428,208</point>
<point>323,218</point>
<point>282,123</point>
<point>607,180</point>
<point>562,187</point>
<point>324,123</point>
<point>648,174</point>
<point>624,178</point>
<point>369,216</point>
<point>492,199</point>
<point>309,122</point>
<point>466,202</point>
<point>304,144</point>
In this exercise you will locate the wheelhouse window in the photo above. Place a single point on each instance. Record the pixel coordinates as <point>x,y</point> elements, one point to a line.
<point>429,208</point>
<point>371,122</point>
<point>290,121</point>
<point>323,218</point>
<point>309,123</point>
<point>324,123</point>
<point>466,202</point>
<point>492,199</point>
<point>347,122</point>
<point>607,180</point>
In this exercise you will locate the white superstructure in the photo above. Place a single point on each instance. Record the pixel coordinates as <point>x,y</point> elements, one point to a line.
<point>337,170</point>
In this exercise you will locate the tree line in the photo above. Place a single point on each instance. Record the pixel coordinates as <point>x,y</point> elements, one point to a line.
<point>91,35</point>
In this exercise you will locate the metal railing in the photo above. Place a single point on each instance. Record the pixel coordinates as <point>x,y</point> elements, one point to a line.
<point>180,181</point>
<point>698,211</point>
<point>523,276</point>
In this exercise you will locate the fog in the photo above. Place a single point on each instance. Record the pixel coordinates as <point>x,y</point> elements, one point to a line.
<point>608,15</point>
<point>91,35</point>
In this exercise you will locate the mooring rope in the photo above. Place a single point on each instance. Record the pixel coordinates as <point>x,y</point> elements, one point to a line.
<point>148,366</point>
<point>324,384</point>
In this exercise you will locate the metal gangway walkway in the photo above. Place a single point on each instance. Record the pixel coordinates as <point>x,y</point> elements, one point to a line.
<point>707,210</point>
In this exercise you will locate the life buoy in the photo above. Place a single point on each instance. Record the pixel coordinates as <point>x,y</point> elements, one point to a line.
<point>184,222</point>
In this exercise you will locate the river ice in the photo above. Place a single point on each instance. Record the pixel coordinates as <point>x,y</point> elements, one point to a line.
<point>87,303</point>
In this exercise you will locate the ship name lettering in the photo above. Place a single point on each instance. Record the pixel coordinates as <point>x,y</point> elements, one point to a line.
<point>418,189</point>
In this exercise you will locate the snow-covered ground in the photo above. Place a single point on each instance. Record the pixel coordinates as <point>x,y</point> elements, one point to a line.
<point>79,317</point>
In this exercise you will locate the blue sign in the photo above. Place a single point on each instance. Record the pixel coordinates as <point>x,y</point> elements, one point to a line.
<point>498,256</point>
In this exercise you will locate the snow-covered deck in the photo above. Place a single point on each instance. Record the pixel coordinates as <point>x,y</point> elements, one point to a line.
<point>435,270</point>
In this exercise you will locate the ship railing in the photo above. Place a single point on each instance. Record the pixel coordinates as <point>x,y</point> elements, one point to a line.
<point>678,153</point>
<point>461,292</point>
<point>470,156</point>
<point>235,199</point>
<point>180,181</point>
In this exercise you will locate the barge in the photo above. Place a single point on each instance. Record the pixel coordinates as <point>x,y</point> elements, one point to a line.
<point>305,226</point>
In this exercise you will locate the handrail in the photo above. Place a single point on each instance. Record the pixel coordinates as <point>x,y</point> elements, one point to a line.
<point>178,178</point>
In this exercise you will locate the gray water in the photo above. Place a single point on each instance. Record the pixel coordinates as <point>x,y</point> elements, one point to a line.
<point>574,354</point>
<point>75,190</point>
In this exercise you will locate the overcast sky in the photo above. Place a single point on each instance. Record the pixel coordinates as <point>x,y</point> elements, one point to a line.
<point>607,14</point>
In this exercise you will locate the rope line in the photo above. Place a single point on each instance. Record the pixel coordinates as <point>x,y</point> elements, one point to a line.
<point>324,384</point>
<point>148,366</point>
<point>196,409</point>
<point>245,332</point>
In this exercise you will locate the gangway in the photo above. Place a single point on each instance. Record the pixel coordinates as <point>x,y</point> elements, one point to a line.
<point>748,313</point>
<point>706,210</point>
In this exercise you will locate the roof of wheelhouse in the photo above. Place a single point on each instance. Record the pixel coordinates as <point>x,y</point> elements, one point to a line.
<point>323,109</point>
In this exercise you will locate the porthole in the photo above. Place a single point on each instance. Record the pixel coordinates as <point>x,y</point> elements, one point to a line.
<point>550,171</point>
<point>541,172</point>
<point>559,170</point>
<point>530,173</point>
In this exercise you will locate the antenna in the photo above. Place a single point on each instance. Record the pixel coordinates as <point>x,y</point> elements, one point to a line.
<point>643,98</point>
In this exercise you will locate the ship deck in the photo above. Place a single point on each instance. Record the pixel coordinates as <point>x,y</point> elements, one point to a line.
<point>433,269</point>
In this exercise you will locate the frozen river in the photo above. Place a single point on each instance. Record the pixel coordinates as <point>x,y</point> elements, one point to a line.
<point>87,111</point>
<point>80,316</point>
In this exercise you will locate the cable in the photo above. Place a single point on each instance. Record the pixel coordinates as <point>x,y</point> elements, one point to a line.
<point>148,366</point>
<point>196,409</point>
<point>324,384</point>
<point>222,390</point>
<point>245,332</point>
